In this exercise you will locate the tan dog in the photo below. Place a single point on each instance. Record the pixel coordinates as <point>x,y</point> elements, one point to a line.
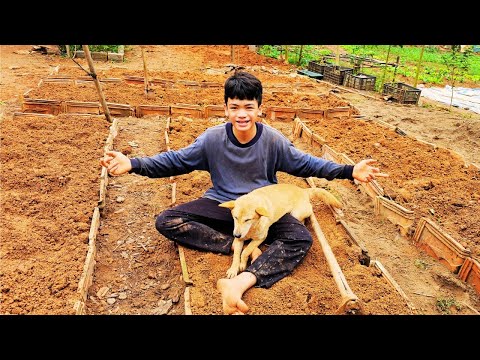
<point>255,212</point>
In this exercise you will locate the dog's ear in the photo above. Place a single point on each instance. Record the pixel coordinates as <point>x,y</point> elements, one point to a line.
<point>262,211</point>
<point>229,204</point>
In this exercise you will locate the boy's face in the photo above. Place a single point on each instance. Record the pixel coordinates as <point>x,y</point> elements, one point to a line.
<point>242,113</point>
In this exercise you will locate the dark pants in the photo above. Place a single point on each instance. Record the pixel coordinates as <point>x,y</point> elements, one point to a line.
<point>203,225</point>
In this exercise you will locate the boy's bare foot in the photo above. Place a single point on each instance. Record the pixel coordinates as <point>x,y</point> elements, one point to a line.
<point>232,291</point>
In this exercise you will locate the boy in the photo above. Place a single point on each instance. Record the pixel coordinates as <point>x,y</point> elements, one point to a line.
<point>240,155</point>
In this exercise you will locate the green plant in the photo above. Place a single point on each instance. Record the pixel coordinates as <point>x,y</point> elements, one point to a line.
<point>433,68</point>
<point>457,64</point>
<point>272,51</point>
<point>73,48</point>
<point>444,305</point>
<point>421,264</point>
<point>309,53</point>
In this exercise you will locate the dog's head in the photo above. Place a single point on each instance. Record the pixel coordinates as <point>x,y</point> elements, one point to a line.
<point>245,216</point>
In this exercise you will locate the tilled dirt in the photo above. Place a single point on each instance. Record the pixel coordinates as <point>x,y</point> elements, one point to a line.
<point>50,177</point>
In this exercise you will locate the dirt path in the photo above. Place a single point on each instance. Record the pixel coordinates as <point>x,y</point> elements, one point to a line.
<point>137,270</point>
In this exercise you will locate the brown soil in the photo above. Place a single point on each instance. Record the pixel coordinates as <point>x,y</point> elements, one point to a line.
<point>50,180</point>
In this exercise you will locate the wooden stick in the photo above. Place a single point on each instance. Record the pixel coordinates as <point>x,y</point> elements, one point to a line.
<point>421,294</point>
<point>392,282</point>
<point>349,299</point>
<point>471,308</point>
<point>145,71</point>
<point>97,83</point>
<point>188,309</point>
<point>183,265</point>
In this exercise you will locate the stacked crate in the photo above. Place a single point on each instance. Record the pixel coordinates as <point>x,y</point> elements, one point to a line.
<point>317,66</point>
<point>335,74</point>
<point>360,81</point>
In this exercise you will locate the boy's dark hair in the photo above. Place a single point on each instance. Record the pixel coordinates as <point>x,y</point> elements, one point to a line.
<point>243,86</point>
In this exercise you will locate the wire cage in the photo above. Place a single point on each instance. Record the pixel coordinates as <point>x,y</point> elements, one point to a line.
<point>360,81</point>
<point>402,93</point>
<point>335,74</point>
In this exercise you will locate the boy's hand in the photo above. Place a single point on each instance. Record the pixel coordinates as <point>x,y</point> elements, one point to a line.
<point>365,172</point>
<point>116,163</point>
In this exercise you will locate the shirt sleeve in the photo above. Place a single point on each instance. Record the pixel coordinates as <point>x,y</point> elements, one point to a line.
<point>298,163</point>
<point>171,163</point>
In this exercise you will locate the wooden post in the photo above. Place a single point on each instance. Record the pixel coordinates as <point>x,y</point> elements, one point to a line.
<point>86,50</point>
<point>337,59</point>
<point>396,67</point>
<point>145,71</point>
<point>68,50</point>
<point>385,69</point>
<point>300,55</point>
<point>419,65</point>
<point>231,55</point>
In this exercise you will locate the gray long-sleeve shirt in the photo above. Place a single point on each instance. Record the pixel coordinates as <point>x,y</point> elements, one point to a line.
<point>236,169</point>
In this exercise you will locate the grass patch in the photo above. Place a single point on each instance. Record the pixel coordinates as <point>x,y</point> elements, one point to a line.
<point>444,305</point>
<point>421,264</point>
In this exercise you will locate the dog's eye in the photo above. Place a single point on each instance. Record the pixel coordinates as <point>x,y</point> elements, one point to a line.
<point>246,220</point>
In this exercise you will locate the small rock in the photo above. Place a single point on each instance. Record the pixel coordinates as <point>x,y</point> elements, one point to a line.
<point>102,291</point>
<point>122,295</point>
<point>111,301</point>
<point>120,199</point>
<point>163,307</point>
<point>165,286</point>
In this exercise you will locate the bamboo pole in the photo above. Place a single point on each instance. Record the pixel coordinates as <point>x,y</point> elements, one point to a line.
<point>144,71</point>
<point>385,69</point>
<point>68,50</point>
<point>392,282</point>
<point>350,303</point>
<point>396,67</point>
<point>97,83</point>
<point>300,55</point>
<point>419,65</point>
<point>349,299</point>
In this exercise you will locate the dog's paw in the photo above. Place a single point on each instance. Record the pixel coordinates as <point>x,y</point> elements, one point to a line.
<point>243,264</point>
<point>231,273</point>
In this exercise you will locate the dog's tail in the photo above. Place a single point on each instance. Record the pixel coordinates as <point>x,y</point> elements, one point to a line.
<point>325,196</point>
